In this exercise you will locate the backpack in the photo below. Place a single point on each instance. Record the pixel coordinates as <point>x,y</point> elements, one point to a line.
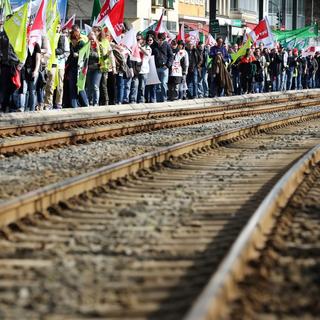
<point>122,64</point>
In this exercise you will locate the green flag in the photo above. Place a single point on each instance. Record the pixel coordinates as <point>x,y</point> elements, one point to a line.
<point>95,10</point>
<point>151,27</point>
<point>16,30</point>
<point>241,52</point>
<point>53,37</point>
<point>302,33</point>
<point>83,66</point>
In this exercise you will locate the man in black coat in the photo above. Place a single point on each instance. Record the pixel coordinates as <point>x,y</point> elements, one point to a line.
<point>163,57</point>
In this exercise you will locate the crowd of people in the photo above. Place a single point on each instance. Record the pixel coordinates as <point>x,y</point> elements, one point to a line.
<point>184,71</point>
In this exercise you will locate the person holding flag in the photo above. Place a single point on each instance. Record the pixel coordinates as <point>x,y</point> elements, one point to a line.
<point>76,90</point>
<point>56,73</point>
<point>94,73</point>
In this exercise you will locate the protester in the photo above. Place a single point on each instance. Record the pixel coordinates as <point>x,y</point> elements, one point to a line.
<point>149,67</point>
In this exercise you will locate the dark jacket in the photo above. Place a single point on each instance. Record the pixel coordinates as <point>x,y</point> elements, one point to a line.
<point>194,58</point>
<point>163,55</point>
<point>7,55</point>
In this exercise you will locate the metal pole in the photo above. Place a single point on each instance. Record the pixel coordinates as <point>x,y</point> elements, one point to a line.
<point>312,12</point>
<point>294,14</point>
<point>212,14</point>
<point>283,9</point>
<point>261,10</point>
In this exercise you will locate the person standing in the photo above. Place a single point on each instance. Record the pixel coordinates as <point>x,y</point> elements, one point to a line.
<point>55,76</point>
<point>163,57</point>
<point>94,74</point>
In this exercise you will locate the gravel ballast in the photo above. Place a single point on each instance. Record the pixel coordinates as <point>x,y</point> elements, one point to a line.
<point>23,173</point>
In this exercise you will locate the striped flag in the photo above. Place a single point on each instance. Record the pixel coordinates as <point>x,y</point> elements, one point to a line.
<point>83,66</point>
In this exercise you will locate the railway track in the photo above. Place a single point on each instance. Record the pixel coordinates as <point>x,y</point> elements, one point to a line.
<point>275,260</point>
<point>288,267</point>
<point>19,137</point>
<point>146,236</point>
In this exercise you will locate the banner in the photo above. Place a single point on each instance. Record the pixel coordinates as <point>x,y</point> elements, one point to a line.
<point>307,32</point>
<point>298,38</point>
<point>152,77</point>
<point>16,30</point>
<point>83,66</point>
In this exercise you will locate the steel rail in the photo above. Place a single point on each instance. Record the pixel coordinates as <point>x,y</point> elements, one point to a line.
<point>42,198</point>
<point>80,135</point>
<point>16,127</point>
<point>221,288</point>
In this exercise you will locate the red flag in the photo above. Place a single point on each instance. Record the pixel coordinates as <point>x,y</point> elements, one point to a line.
<point>181,35</point>
<point>112,14</point>
<point>36,29</point>
<point>262,33</point>
<point>68,25</point>
<point>159,28</point>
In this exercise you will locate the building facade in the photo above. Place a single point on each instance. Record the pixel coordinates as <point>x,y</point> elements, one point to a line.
<point>234,16</point>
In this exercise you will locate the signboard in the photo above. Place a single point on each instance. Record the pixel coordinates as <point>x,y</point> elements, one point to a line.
<point>237,23</point>
<point>215,27</point>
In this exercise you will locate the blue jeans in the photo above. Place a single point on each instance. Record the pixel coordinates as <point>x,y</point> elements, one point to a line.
<point>276,82</point>
<point>290,78</point>
<point>93,86</point>
<point>203,89</point>
<point>236,83</point>
<point>258,87</point>
<point>73,90</point>
<point>31,94</point>
<point>151,93</point>
<point>283,85</point>
<point>141,87</point>
<point>120,88</point>
<point>311,81</point>
<point>134,90</point>
<point>192,82</point>
<point>126,89</point>
<point>162,87</point>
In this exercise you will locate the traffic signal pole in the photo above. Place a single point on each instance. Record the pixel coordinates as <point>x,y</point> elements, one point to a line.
<point>212,15</point>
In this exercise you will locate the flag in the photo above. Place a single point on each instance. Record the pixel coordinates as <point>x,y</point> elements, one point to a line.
<point>310,51</point>
<point>241,51</point>
<point>112,14</point>
<point>51,13</point>
<point>160,27</point>
<point>6,9</point>
<point>68,25</point>
<point>87,28</point>
<point>130,41</point>
<point>95,10</point>
<point>181,35</point>
<point>152,26</point>
<point>36,30</point>
<point>262,34</point>
<point>83,66</point>
<point>53,37</point>
<point>307,32</point>
<point>210,41</point>
<point>194,37</point>
<point>16,30</point>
